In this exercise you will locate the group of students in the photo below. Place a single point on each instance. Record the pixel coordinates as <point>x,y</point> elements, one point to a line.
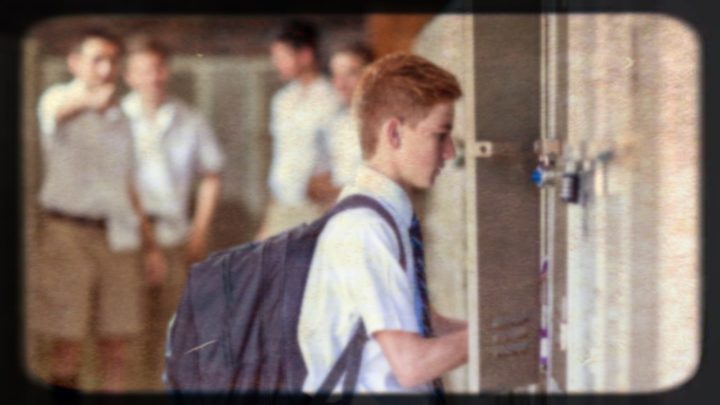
<point>314,141</point>
<point>117,229</point>
<point>116,214</point>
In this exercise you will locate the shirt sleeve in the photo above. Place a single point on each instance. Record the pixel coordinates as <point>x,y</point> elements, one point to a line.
<point>210,156</point>
<point>48,105</point>
<point>363,251</point>
<point>274,101</point>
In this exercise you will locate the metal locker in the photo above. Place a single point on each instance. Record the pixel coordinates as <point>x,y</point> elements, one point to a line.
<point>505,212</point>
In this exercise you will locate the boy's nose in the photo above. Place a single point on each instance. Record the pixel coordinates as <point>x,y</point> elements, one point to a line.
<point>449,150</point>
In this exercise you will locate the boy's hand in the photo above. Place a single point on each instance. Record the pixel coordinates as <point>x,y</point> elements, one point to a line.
<point>100,97</point>
<point>321,190</point>
<point>80,99</point>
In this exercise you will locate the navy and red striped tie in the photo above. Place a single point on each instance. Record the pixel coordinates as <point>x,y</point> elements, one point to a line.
<point>422,308</point>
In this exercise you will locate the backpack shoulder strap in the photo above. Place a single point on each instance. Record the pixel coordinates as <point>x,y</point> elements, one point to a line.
<point>364,201</point>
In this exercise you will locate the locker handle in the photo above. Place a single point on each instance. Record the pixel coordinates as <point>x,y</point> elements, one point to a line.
<point>488,149</point>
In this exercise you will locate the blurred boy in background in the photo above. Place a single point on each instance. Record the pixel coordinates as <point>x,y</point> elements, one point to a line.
<point>174,144</point>
<point>297,112</point>
<point>339,135</point>
<point>89,277</point>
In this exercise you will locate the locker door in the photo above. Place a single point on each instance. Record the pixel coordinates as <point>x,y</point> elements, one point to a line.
<point>633,237</point>
<point>504,204</point>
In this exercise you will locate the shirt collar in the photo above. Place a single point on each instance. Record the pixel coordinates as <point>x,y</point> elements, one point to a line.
<point>371,181</point>
<point>319,83</point>
<point>131,105</point>
<point>133,108</point>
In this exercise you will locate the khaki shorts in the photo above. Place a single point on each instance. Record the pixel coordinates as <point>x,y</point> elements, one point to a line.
<point>81,285</point>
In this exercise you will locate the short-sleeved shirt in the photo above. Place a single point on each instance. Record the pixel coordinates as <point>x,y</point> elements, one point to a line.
<point>170,151</point>
<point>88,166</point>
<point>297,113</point>
<point>355,274</point>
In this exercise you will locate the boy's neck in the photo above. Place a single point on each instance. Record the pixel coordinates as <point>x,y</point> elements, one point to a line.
<point>150,105</point>
<point>306,78</point>
<point>387,168</point>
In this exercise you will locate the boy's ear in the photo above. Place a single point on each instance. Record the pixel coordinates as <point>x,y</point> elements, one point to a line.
<point>393,132</point>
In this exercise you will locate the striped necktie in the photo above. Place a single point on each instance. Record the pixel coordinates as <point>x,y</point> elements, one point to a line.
<point>422,309</point>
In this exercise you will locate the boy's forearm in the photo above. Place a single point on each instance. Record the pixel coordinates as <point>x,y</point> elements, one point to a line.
<point>69,109</point>
<point>416,360</point>
<point>443,325</point>
<point>207,198</point>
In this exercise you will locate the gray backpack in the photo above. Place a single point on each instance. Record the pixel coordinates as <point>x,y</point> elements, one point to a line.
<point>235,329</point>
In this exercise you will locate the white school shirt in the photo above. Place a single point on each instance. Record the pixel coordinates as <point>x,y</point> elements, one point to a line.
<point>355,274</point>
<point>170,150</point>
<point>297,114</point>
<point>341,139</point>
<point>88,166</point>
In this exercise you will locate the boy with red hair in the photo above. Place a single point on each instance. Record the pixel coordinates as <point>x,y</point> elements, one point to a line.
<point>405,108</point>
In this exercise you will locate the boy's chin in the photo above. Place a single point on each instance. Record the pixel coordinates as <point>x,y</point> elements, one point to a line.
<point>424,185</point>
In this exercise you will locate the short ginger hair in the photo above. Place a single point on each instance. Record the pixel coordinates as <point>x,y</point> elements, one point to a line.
<point>399,85</point>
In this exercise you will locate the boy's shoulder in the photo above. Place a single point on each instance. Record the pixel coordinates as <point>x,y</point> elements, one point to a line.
<point>357,223</point>
<point>285,90</point>
<point>56,90</point>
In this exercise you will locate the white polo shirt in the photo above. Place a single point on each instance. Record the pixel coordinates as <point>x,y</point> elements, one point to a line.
<point>355,274</point>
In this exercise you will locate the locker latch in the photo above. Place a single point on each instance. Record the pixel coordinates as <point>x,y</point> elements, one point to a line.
<point>548,150</point>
